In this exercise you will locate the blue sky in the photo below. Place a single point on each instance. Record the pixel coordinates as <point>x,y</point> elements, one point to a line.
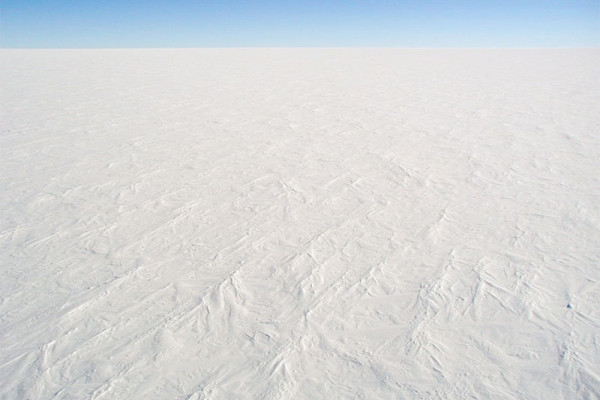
<point>287,23</point>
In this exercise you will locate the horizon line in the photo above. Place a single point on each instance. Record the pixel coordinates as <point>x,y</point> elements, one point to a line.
<point>313,47</point>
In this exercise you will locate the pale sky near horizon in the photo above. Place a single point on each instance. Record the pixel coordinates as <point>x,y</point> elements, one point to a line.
<point>325,23</point>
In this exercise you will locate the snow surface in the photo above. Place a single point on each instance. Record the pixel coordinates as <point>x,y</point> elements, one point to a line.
<point>300,224</point>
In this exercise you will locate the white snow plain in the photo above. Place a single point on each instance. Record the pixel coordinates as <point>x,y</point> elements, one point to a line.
<point>300,224</point>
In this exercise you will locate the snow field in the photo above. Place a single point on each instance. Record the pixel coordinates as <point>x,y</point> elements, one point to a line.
<point>300,224</point>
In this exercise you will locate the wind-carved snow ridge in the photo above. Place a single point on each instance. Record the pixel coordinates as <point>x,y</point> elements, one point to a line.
<point>300,224</point>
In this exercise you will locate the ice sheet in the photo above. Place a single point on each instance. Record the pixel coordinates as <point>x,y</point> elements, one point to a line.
<point>300,224</point>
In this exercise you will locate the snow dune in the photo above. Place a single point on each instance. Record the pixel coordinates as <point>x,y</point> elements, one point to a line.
<point>300,224</point>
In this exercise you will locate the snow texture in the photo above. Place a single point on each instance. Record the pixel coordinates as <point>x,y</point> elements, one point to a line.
<point>300,224</point>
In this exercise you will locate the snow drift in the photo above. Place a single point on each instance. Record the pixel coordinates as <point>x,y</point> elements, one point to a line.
<point>300,224</point>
